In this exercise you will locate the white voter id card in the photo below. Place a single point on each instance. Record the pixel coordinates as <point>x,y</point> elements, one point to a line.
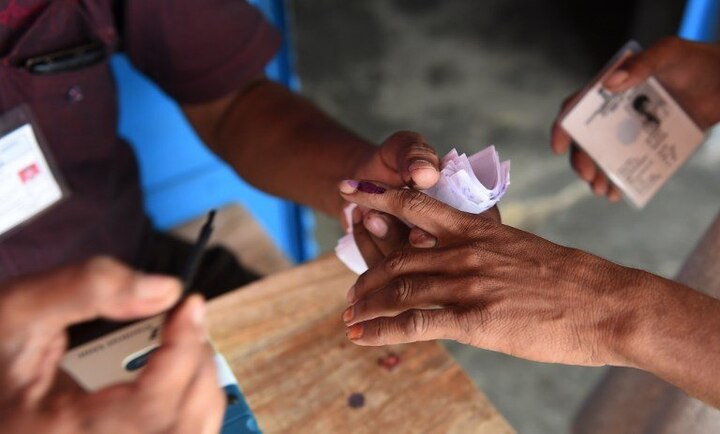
<point>28,183</point>
<point>639,138</point>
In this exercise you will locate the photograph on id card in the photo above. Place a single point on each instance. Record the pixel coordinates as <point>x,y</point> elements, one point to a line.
<point>29,183</point>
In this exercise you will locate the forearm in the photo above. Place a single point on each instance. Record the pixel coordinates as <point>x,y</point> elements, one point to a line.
<point>284,145</point>
<point>675,336</point>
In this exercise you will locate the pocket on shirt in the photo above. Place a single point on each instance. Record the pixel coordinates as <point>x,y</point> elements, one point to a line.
<point>76,109</point>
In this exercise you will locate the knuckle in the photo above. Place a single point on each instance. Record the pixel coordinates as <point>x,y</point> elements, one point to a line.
<point>477,225</point>
<point>402,291</point>
<point>418,324</point>
<point>414,201</point>
<point>396,261</point>
<point>472,256</point>
<point>102,274</point>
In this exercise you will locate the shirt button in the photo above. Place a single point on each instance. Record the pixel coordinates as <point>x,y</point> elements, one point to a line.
<point>75,94</point>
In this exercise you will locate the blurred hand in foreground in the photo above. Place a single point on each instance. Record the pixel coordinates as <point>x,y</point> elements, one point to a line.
<point>177,392</point>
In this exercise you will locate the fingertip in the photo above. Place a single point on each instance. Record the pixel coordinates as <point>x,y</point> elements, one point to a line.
<point>196,309</point>
<point>600,185</point>
<point>423,173</point>
<point>559,140</point>
<point>421,239</point>
<point>348,186</point>
<point>376,224</point>
<point>614,196</point>
<point>583,165</point>
<point>156,286</point>
<point>190,313</point>
<point>616,79</point>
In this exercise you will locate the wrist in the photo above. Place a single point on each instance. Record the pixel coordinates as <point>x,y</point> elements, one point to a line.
<point>654,310</point>
<point>628,318</point>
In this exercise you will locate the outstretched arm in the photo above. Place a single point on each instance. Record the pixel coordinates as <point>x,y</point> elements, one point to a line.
<point>502,289</point>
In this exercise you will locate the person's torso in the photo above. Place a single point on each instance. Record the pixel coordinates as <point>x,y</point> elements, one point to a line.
<point>77,114</point>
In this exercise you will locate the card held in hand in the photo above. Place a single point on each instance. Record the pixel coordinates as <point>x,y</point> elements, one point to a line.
<point>639,138</point>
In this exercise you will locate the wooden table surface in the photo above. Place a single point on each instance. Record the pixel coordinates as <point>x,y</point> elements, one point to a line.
<point>285,341</point>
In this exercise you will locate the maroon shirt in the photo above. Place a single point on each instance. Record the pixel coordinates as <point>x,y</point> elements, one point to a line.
<point>196,50</point>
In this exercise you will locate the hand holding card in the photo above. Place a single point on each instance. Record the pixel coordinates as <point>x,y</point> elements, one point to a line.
<point>630,126</point>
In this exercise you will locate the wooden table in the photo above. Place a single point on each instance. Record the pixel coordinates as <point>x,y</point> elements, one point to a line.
<point>286,344</point>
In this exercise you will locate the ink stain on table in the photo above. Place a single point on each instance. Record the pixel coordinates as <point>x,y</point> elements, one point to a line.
<point>389,362</point>
<point>356,400</point>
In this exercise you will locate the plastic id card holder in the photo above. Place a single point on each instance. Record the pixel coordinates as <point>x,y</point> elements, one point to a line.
<point>639,138</point>
<point>30,184</point>
<point>108,354</point>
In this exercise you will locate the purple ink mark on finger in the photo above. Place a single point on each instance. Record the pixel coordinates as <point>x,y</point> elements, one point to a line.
<point>369,187</point>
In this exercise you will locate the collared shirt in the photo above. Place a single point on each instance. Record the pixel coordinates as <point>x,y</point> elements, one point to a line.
<point>195,50</point>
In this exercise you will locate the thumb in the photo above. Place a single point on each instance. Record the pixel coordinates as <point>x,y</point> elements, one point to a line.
<point>100,287</point>
<point>416,161</point>
<point>638,67</point>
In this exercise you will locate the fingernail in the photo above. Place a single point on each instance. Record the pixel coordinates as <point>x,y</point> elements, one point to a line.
<point>351,295</point>
<point>348,186</point>
<point>369,187</point>
<point>198,313</point>
<point>422,240</point>
<point>617,78</point>
<point>355,332</point>
<point>347,316</point>
<point>425,242</point>
<point>420,164</point>
<point>423,173</point>
<point>155,285</point>
<point>377,226</point>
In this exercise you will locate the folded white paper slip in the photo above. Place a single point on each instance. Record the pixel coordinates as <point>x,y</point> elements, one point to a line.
<point>472,184</point>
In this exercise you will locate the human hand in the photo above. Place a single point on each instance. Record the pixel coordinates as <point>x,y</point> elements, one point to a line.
<point>488,285</point>
<point>177,392</point>
<point>689,71</point>
<point>404,159</point>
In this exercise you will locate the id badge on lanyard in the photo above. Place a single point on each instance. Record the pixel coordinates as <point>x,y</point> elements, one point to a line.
<point>29,183</point>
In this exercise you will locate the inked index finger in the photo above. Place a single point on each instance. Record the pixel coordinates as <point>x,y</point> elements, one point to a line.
<point>410,206</point>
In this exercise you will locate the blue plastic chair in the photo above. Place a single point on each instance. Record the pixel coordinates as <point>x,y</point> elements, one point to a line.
<point>181,178</point>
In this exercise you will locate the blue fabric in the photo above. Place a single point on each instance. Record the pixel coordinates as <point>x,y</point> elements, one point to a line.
<point>701,21</point>
<point>181,178</point>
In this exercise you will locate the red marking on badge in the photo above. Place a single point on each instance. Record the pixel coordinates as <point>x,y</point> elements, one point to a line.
<point>29,173</point>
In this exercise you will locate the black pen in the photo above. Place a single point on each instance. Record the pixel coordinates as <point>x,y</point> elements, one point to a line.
<point>192,263</point>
